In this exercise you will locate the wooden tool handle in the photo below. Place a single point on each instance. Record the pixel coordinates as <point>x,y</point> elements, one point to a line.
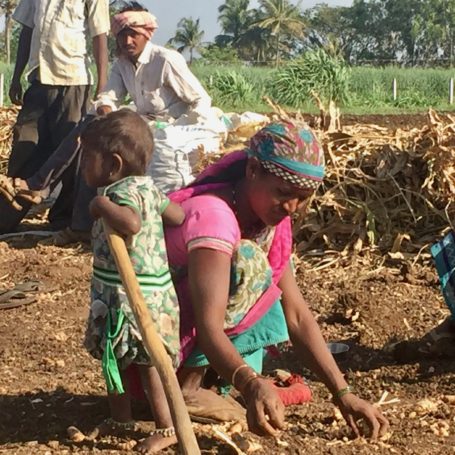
<point>153,344</point>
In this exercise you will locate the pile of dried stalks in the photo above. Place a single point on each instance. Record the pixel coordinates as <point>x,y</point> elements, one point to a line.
<point>392,192</point>
<point>7,120</point>
<point>386,191</point>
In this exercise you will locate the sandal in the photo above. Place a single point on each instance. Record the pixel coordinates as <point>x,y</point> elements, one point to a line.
<point>14,299</point>
<point>30,286</point>
<point>17,296</point>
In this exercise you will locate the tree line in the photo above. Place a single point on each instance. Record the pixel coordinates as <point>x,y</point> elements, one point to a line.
<point>408,32</point>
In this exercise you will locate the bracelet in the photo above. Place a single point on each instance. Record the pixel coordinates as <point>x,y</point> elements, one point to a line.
<point>122,426</point>
<point>236,371</point>
<point>342,392</point>
<point>165,432</point>
<point>249,379</point>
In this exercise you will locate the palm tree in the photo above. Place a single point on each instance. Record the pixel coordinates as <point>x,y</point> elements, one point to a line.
<point>254,44</point>
<point>7,8</point>
<point>280,17</point>
<point>234,18</point>
<point>188,36</point>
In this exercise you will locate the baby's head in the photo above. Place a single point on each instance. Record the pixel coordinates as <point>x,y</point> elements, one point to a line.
<point>115,146</point>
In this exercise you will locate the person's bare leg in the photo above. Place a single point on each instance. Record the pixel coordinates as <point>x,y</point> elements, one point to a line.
<point>160,409</point>
<point>120,407</point>
<point>190,379</point>
<point>121,419</point>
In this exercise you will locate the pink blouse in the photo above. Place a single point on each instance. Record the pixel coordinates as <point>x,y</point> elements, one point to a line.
<point>209,223</point>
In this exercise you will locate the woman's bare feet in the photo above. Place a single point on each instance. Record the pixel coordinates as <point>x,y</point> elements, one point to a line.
<point>203,403</point>
<point>14,187</point>
<point>20,184</point>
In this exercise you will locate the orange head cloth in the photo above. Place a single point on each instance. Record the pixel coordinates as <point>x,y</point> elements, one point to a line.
<point>140,21</point>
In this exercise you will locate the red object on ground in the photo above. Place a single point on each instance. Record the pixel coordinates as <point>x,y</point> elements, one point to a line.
<point>295,391</point>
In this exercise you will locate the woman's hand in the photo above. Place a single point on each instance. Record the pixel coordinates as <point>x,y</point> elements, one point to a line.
<point>15,92</point>
<point>265,410</point>
<point>354,408</point>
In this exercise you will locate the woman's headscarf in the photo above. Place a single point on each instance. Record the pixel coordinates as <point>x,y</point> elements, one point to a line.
<point>140,21</point>
<point>290,152</point>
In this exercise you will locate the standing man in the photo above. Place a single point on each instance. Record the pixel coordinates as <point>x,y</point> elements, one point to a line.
<point>54,42</point>
<point>161,86</point>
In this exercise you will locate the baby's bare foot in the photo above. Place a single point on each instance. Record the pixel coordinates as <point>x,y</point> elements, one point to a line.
<point>155,443</point>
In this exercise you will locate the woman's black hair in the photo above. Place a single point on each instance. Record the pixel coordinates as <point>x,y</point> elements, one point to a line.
<point>236,171</point>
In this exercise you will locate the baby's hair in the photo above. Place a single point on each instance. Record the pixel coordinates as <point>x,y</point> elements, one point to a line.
<point>125,133</point>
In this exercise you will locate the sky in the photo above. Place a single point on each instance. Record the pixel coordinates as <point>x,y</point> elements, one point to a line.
<point>169,12</point>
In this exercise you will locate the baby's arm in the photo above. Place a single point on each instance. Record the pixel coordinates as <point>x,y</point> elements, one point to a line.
<point>173,215</point>
<point>123,219</point>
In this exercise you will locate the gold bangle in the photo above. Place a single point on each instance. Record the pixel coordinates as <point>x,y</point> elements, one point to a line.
<point>236,371</point>
<point>249,379</point>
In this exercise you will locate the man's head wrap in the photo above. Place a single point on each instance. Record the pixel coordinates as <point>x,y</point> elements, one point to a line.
<point>140,21</point>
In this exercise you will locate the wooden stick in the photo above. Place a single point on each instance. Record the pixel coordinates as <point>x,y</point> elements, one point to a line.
<point>153,344</point>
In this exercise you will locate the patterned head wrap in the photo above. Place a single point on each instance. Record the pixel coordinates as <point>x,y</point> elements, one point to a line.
<point>140,21</point>
<point>290,152</point>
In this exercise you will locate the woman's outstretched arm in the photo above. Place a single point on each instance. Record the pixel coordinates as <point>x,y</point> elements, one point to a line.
<point>208,277</point>
<point>310,344</point>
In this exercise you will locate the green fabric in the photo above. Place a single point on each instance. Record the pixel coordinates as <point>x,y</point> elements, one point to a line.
<point>268,331</point>
<point>255,360</point>
<point>109,364</point>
